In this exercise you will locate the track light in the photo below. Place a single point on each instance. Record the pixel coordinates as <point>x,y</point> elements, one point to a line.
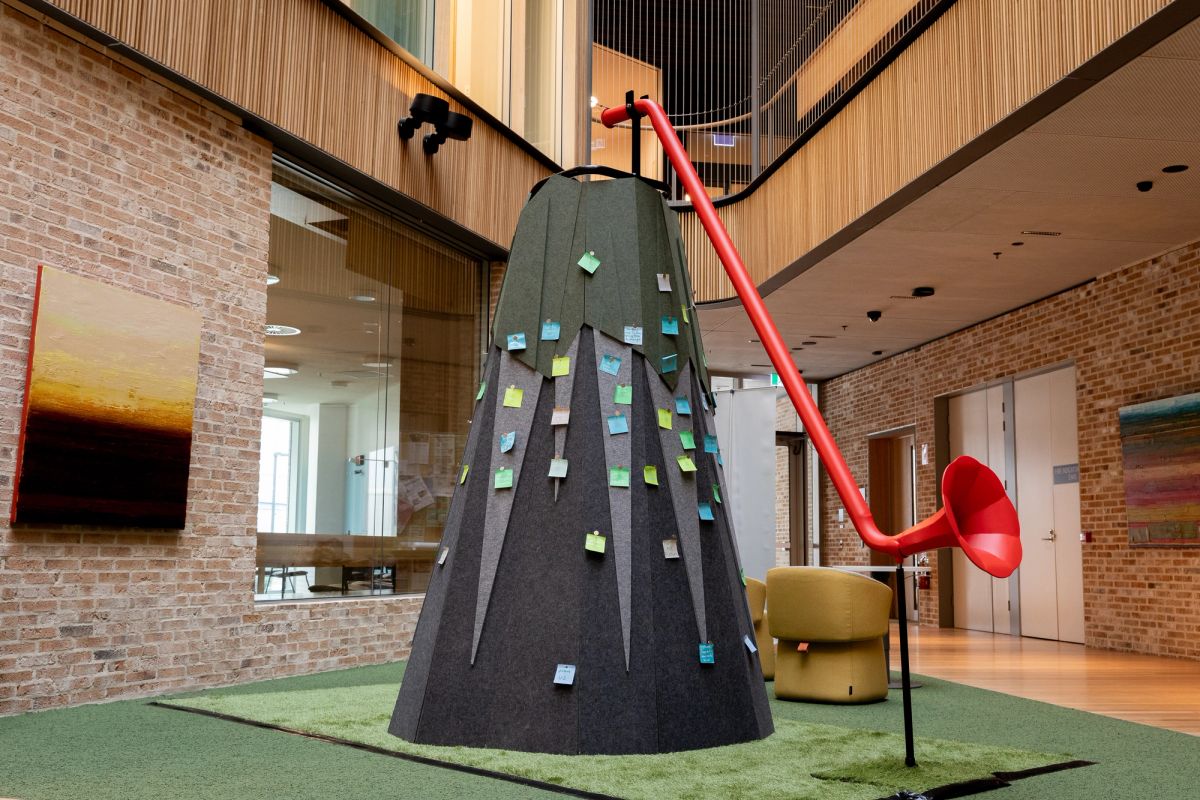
<point>426,108</point>
<point>456,126</point>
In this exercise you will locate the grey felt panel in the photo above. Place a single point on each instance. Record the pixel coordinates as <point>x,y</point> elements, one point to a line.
<point>416,672</point>
<point>617,454</point>
<point>563,386</point>
<point>500,501</point>
<point>683,493</point>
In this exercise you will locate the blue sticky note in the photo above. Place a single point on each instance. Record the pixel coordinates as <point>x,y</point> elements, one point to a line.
<point>750,645</point>
<point>710,443</point>
<point>507,440</point>
<point>670,325</point>
<point>516,341</point>
<point>564,675</point>
<point>617,423</point>
<point>551,331</point>
<point>669,363</point>
<point>720,460</point>
<point>682,406</point>
<point>706,653</point>
<point>610,364</point>
<point>706,512</point>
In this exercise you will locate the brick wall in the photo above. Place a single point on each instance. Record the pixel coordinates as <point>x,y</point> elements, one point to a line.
<point>1134,336</point>
<point>107,173</point>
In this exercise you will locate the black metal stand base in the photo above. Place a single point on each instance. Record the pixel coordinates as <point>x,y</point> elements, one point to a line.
<point>905,683</point>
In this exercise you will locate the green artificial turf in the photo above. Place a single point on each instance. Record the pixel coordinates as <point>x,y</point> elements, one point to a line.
<point>130,750</point>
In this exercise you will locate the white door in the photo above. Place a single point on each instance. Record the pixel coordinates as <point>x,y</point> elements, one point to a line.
<point>1047,469</point>
<point>977,429</point>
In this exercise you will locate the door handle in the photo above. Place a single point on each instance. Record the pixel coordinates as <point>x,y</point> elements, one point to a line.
<point>1051,537</point>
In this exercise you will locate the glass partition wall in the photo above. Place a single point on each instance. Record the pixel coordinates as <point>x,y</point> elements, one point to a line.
<point>374,335</point>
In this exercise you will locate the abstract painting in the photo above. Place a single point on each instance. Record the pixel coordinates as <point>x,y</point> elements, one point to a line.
<point>110,391</point>
<point>1160,442</point>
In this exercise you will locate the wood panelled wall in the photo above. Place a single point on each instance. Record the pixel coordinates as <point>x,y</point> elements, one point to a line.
<point>302,67</point>
<point>982,60</point>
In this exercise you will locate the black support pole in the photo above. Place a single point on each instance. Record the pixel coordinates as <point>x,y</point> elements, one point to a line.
<point>910,759</point>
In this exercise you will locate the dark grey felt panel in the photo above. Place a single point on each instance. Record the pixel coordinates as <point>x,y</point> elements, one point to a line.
<point>512,373</point>
<point>683,493</point>
<point>617,454</point>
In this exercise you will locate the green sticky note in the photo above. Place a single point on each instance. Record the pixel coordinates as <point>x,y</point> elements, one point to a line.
<point>504,478</point>
<point>482,389</point>
<point>687,440</point>
<point>618,477</point>
<point>513,397</point>
<point>623,395</point>
<point>685,464</point>
<point>685,316</point>
<point>664,418</point>
<point>463,478</point>
<point>651,475</point>
<point>589,262</point>
<point>716,492</point>
<point>558,468</point>
<point>594,542</point>
<point>560,366</point>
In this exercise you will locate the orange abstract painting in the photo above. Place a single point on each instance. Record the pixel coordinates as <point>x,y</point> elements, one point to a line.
<point>111,388</point>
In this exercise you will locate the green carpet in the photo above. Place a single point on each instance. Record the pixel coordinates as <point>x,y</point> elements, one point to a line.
<point>129,750</point>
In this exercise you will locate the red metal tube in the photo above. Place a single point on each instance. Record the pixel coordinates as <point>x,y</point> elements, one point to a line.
<point>793,383</point>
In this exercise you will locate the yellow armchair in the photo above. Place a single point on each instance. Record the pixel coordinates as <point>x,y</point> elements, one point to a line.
<point>830,626</point>
<point>756,596</point>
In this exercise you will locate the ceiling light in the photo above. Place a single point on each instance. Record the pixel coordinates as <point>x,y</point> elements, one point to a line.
<point>270,398</point>
<point>594,102</point>
<point>1175,168</point>
<point>281,330</point>
<point>1144,186</point>
<point>922,291</point>
<point>808,344</point>
<point>755,341</point>
<point>1041,233</point>
<point>363,297</point>
<point>876,352</point>
<point>797,348</point>
<point>1018,244</point>
<point>272,279</point>
<point>279,369</point>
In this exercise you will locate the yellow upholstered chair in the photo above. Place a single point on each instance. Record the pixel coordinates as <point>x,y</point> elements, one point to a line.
<point>830,626</point>
<point>756,596</point>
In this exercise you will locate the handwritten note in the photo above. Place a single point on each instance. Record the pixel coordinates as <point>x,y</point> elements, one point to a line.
<point>558,468</point>
<point>633,334</point>
<point>507,440</point>
<point>516,341</point>
<point>670,548</point>
<point>664,282</point>
<point>594,542</point>
<point>564,675</point>
<point>504,478</point>
<point>623,395</point>
<point>560,366</point>
<point>670,326</point>
<point>513,397</point>
<point>706,512</point>
<point>650,474</point>
<point>589,262</point>
<point>710,443</point>
<point>669,363</point>
<point>687,440</point>
<point>685,464</point>
<point>610,364</point>
<point>551,330</point>
<point>707,656</point>
<point>617,423</point>
<point>560,416</point>
<point>618,477</point>
<point>682,406</point>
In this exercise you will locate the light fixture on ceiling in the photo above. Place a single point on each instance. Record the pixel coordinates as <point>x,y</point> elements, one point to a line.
<point>280,369</point>
<point>922,291</point>
<point>1144,186</point>
<point>809,343</point>
<point>755,341</point>
<point>1041,233</point>
<point>270,398</point>
<point>876,352</point>
<point>281,330</point>
<point>1018,244</point>
<point>593,102</point>
<point>272,279</point>
<point>1175,168</point>
<point>363,297</point>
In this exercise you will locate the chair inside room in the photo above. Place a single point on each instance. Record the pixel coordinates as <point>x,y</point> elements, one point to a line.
<point>830,626</point>
<point>286,576</point>
<point>756,597</point>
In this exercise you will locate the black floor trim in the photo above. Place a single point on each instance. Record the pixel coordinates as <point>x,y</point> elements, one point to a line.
<point>999,780</point>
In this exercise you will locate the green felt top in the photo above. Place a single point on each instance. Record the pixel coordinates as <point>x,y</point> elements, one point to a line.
<point>635,236</point>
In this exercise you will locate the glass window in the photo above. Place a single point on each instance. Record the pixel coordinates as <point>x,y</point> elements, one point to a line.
<point>408,23</point>
<point>372,361</point>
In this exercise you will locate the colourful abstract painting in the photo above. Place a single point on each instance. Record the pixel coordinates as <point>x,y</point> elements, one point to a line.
<point>1160,442</point>
<point>107,427</point>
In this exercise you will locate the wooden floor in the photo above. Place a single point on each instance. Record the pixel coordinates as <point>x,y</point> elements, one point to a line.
<point>1164,692</point>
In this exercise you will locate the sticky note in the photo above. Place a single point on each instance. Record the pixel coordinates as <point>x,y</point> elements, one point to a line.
<point>716,492</point>
<point>617,423</point>
<point>687,440</point>
<point>504,478</point>
<point>670,325</point>
<point>560,366</point>
<point>610,364</point>
<point>618,477</point>
<point>685,464</point>
<point>651,475</point>
<point>513,397</point>
<point>742,572</point>
<point>750,645</point>
<point>664,418</point>
<point>707,656</point>
<point>463,478</point>
<point>551,331</point>
<point>682,406</point>
<point>516,341</point>
<point>633,334</point>
<point>670,548</point>
<point>706,513</point>
<point>482,389</point>
<point>589,262</point>
<point>507,440</point>
<point>720,460</point>
<point>710,443</point>
<point>442,556</point>
<point>560,416</point>
<point>664,282</point>
<point>704,401</point>
<point>669,363</point>
<point>594,542</point>
<point>623,395</point>
<point>564,675</point>
<point>683,308</point>
<point>558,468</point>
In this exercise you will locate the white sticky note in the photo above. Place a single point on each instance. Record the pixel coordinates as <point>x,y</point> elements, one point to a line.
<point>750,645</point>
<point>670,548</point>
<point>561,416</point>
<point>664,282</point>
<point>558,468</point>
<point>633,334</point>
<point>564,675</point>
<point>442,556</point>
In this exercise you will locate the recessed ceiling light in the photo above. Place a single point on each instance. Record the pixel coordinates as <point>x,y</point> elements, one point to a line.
<point>768,366</point>
<point>1175,168</point>
<point>809,344</point>
<point>1041,233</point>
<point>282,330</point>
<point>272,279</point>
<point>876,352</point>
<point>797,348</point>
<point>363,297</point>
<point>755,341</point>
<point>270,398</point>
<point>820,336</point>
<point>279,369</point>
<point>1018,244</point>
<point>922,291</point>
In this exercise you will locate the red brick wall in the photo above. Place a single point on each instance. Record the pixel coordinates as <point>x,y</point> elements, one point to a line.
<point>106,173</point>
<point>1134,336</point>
